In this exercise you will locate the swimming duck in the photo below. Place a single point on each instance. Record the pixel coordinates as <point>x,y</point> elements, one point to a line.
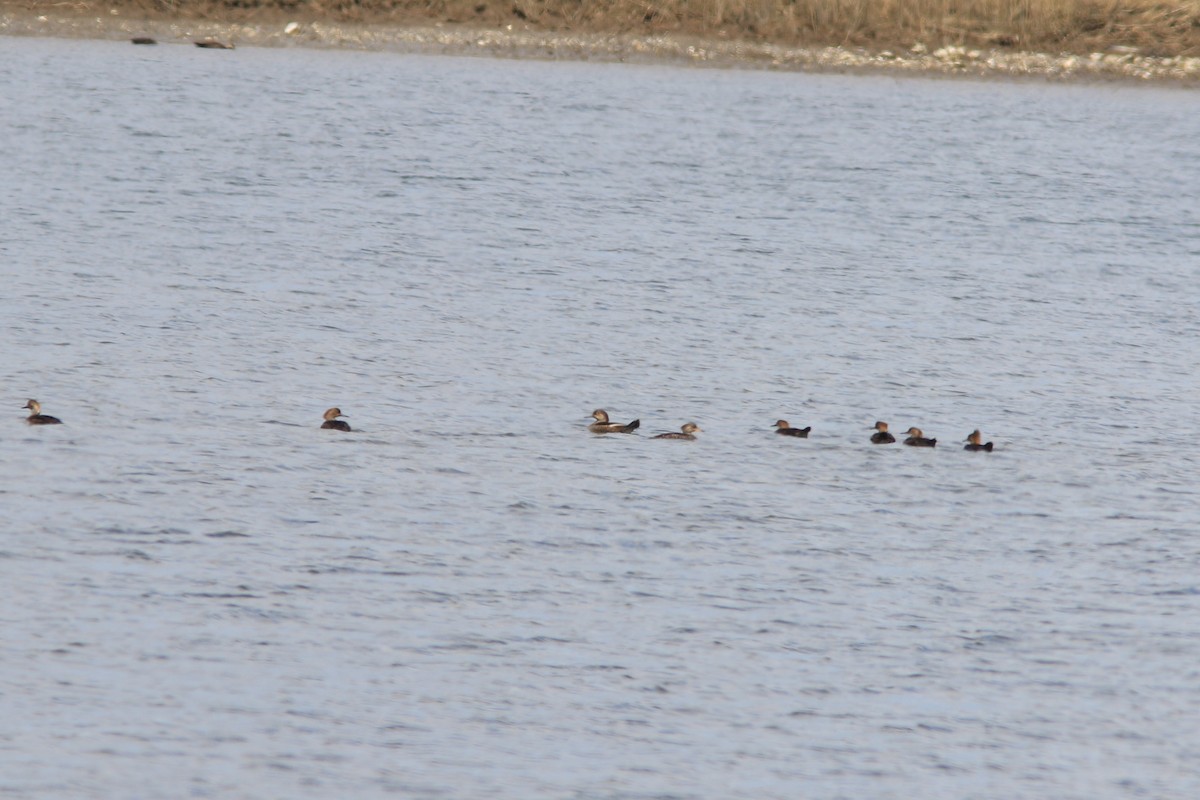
<point>974,443</point>
<point>882,436</point>
<point>602,425</point>
<point>917,439</point>
<point>688,432</point>
<point>213,44</point>
<point>333,423</point>
<point>36,417</point>
<point>782,427</point>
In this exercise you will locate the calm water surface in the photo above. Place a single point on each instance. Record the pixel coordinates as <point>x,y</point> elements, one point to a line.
<point>470,596</point>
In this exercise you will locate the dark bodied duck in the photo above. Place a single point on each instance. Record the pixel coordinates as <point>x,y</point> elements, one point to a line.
<point>916,438</point>
<point>974,443</point>
<point>332,422</point>
<point>36,417</point>
<point>602,425</point>
<point>881,435</point>
<point>688,431</point>
<point>783,428</point>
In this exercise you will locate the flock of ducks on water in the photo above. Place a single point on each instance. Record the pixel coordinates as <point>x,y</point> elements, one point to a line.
<point>916,437</point>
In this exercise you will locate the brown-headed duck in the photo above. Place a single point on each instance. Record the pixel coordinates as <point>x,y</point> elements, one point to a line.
<point>975,443</point>
<point>784,429</point>
<point>602,425</point>
<point>332,422</point>
<point>917,439</point>
<point>688,431</point>
<point>36,417</point>
<point>881,435</point>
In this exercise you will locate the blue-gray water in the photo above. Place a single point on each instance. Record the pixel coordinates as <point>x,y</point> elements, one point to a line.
<point>471,596</point>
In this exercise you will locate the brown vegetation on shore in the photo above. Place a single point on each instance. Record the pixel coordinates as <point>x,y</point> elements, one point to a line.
<point>1152,27</point>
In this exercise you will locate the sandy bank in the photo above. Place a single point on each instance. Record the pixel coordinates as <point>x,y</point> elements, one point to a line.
<point>510,42</point>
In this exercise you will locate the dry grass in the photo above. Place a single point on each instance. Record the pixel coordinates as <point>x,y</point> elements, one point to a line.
<point>1155,27</point>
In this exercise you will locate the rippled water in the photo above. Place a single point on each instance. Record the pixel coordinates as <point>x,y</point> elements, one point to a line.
<point>470,596</point>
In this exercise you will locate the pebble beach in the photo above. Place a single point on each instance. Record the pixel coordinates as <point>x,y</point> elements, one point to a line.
<point>1117,63</point>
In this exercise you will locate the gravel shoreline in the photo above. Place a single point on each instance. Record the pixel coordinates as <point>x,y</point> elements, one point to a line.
<point>1122,64</point>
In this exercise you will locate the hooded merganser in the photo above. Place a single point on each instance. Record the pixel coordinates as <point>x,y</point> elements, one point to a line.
<point>688,432</point>
<point>882,436</point>
<point>917,439</point>
<point>974,443</point>
<point>784,429</point>
<point>333,423</point>
<point>36,417</point>
<point>602,425</point>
